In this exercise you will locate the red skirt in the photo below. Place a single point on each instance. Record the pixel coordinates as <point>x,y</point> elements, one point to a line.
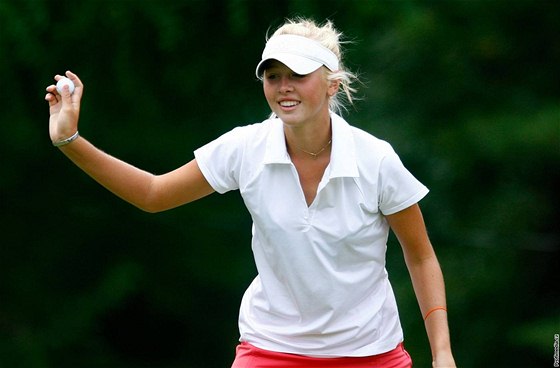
<point>249,356</point>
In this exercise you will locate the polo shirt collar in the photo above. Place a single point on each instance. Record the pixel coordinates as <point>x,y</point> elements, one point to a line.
<point>276,150</point>
<point>343,153</point>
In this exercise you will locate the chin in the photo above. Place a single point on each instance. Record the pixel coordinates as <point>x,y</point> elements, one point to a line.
<point>288,118</point>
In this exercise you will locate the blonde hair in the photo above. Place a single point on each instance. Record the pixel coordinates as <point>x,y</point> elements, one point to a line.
<point>329,37</point>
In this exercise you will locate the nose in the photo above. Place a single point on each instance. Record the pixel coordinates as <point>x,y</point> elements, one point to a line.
<point>285,85</point>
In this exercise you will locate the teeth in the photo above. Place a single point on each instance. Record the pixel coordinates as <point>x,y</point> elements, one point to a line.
<point>288,103</point>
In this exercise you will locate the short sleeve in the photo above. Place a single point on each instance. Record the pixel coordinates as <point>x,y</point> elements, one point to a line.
<point>220,160</point>
<point>398,188</point>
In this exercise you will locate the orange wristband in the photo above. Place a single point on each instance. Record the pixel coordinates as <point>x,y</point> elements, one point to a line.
<point>433,310</point>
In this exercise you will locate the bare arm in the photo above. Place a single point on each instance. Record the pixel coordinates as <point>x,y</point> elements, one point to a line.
<point>149,192</point>
<point>427,279</point>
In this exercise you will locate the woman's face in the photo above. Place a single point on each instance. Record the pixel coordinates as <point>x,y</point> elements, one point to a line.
<point>297,99</point>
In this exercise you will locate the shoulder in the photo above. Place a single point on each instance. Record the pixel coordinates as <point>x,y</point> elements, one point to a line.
<point>365,143</point>
<point>257,132</point>
<point>369,142</point>
<point>228,158</point>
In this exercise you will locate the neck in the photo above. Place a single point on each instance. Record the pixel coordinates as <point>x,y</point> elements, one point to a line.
<point>311,142</point>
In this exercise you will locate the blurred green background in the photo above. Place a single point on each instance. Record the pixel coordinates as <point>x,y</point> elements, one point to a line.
<point>466,91</point>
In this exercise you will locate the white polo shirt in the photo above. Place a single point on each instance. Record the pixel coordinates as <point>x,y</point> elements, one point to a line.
<point>322,289</point>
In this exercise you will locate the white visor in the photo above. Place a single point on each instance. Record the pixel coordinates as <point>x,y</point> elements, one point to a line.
<point>301,54</point>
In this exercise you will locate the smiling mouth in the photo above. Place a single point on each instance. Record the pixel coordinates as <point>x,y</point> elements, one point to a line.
<point>288,103</point>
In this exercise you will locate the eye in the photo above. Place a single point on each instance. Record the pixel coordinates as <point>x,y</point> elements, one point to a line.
<point>298,76</point>
<point>270,75</point>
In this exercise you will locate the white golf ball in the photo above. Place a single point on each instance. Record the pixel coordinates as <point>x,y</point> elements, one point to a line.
<point>63,82</point>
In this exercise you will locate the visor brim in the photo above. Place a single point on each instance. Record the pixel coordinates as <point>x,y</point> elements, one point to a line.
<point>298,64</point>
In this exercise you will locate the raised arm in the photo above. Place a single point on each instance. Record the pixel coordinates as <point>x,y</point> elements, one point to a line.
<point>427,280</point>
<point>152,193</point>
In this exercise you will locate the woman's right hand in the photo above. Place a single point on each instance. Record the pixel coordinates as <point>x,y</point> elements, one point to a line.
<point>64,108</point>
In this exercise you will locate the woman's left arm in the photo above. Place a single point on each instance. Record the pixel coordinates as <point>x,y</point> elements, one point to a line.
<point>427,280</point>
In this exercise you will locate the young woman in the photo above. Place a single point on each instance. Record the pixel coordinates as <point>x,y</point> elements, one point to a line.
<point>323,196</point>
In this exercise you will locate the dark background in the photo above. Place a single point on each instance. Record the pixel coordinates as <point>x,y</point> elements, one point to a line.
<point>466,91</point>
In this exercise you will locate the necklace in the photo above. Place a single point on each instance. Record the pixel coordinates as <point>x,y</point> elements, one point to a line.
<point>315,154</point>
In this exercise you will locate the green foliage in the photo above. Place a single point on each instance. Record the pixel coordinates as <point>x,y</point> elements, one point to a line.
<point>466,91</point>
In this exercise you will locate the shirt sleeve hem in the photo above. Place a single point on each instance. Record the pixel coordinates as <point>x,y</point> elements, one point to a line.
<point>207,174</point>
<point>412,200</point>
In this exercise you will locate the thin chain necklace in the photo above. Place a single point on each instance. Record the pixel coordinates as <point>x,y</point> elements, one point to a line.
<point>315,154</point>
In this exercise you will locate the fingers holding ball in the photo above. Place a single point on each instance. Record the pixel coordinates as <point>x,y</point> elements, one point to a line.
<point>54,91</point>
<point>64,81</point>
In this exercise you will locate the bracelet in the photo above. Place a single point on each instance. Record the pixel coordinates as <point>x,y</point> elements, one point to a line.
<point>67,140</point>
<point>433,310</point>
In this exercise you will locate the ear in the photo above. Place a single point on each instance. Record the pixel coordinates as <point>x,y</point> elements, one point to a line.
<point>333,87</point>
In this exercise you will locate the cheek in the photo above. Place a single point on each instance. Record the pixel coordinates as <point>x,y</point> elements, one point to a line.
<point>270,98</point>
<point>318,95</point>
<point>268,94</point>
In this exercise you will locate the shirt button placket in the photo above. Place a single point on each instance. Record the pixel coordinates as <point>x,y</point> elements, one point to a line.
<point>306,216</point>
